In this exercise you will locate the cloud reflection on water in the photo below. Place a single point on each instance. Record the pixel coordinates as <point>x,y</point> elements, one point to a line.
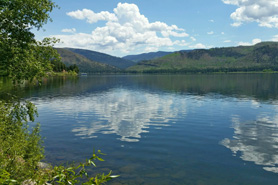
<point>256,141</point>
<point>123,112</point>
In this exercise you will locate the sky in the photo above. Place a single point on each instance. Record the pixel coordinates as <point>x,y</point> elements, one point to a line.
<point>121,28</point>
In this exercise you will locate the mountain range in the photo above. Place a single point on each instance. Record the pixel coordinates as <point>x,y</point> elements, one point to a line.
<point>118,62</point>
<point>262,56</point>
<point>84,64</point>
<point>259,57</point>
<point>146,56</point>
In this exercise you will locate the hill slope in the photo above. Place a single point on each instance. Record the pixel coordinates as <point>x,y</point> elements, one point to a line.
<point>262,56</point>
<point>83,63</point>
<point>146,56</point>
<point>103,58</point>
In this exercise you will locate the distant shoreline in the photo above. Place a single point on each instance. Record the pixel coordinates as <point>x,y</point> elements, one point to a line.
<point>177,72</point>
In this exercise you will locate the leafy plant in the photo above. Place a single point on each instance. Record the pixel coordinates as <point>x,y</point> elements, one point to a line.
<point>71,175</point>
<point>22,57</point>
<point>20,148</point>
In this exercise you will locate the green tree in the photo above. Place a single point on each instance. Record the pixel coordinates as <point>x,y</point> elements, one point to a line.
<point>22,57</point>
<point>58,66</point>
<point>20,149</point>
<point>73,68</point>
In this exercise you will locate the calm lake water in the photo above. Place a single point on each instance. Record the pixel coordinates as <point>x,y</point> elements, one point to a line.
<point>163,129</point>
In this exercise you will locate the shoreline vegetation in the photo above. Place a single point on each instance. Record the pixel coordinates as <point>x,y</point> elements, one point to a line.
<point>175,72</point>
<point>262,57</point>
<point>26,60</point>
<point>196,72</point>
<point>74,74</point>
<point>64,73</point>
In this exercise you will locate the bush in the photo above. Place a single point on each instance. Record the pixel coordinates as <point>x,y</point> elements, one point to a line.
<point>21,151</point>
<point>20,148</point>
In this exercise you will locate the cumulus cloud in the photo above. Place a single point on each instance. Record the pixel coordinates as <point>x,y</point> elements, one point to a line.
<point>181,43</point>
<point>150,49</point>
<point>115,113</point>
<point>125,30</point>
<point>72,30</point>
<point>254,41</point>
<point>198,46</point>
<point>275,38</point>
<point>256,140</point>
<point>264,12</point>
<point>210,33</point>
<point>92,17</point>
<point>227,41</point>
<point>193,39</point>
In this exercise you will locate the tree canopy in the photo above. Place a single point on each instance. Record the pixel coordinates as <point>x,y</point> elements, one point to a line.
<point>22,56</point>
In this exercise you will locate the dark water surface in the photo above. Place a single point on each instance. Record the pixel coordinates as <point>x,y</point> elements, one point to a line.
<point>164,129</point>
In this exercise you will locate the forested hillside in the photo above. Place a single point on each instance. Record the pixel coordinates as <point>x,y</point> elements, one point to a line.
<point>262,56</point>
<point>84,64</point>
<point>103,58</point>
<point>146,56</point>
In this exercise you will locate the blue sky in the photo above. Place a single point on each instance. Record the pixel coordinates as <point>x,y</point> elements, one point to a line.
<point>129,27</point>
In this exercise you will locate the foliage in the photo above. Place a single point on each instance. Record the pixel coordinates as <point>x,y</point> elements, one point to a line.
<point>116,62</point>
<point>84,64</point>
<point>73,174</point>
<point>22,57</point>
<point>262,56</point>
<point>20,148</point>
<point>73,68</point>
<point>59,66</point>
<point>146,56</point>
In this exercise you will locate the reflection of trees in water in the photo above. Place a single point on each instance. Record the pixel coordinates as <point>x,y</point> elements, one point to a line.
<point>256,141</point>
<point>258,86</point>
<point>122,112</point>
<point>262,87</point>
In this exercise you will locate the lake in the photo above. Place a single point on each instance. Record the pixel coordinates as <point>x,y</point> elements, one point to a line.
<point>163,129</point>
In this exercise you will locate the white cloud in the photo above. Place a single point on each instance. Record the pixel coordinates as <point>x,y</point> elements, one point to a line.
<point>123,112</point>
<point>181,43</point>
<point>244,44</point>
<point>236,24</point>
<point>222,33</point>
<point>198,46</point>
<point>211,20</point>
<point>126,30</point>
<point>227,41</point>
<point>193,39</point>
<point>72,30</point>
<point>256,140</point>
<point>264,12</point>
<point>92,17</point>
<point>254,41</point>
<point>275,38</point>
<point>150,49</point>
<point>210,33</point>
